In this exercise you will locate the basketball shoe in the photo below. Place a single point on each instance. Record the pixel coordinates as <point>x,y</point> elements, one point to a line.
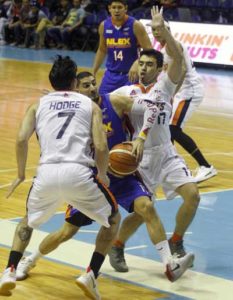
<point>117,259</point>
<point>177,266</point>
<point>8,281</point>
<point>88,284</point>
<point>204,173</point>
<point>24,267</point>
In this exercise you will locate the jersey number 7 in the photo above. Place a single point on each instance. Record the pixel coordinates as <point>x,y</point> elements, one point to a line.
<point>69,116</point>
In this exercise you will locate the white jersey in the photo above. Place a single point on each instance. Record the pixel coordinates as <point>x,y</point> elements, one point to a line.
<point>161,93</point>
<point>192,85</point>
<point>63,127</point>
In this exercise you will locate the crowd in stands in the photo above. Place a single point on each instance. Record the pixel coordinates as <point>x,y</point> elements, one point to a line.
<point>73,24</point>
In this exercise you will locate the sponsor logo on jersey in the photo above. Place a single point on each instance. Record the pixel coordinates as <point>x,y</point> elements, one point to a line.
<point>121,42</point>
<point>108,129</point>
<point>126,29</point>
<point>133,93</point>
<point>109,31</point>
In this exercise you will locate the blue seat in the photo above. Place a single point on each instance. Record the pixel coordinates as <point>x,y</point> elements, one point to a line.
<point>201,3</point>
<point>214,3</point>
<point>227,4</point>
<point>187,2</point>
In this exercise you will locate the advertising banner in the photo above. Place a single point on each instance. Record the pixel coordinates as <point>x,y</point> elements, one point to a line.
<point>206,43</point>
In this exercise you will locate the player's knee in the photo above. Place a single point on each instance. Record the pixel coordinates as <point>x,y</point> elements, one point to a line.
<point>146,210</point>
<point>194,197</point>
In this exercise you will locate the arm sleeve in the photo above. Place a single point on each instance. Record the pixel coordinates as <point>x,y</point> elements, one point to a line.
<point>150,111</point>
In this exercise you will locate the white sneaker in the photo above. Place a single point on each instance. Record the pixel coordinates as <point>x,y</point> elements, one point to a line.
<point>24,267</point>
<point>88,284</point>
<point>204,173</point>
<point>8,281</point>
<point>177,266</point>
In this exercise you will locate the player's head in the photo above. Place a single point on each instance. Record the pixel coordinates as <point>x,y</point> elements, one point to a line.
<point>157,35</point>
<point>86,85</point>
<point>150,65</point>
<point>118,9</point>
<point>63,73</point>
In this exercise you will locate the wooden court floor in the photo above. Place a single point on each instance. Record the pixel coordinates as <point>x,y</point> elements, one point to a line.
<point>22,83</point>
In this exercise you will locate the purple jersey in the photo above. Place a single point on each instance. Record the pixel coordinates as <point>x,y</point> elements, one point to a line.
<point>122,47</point>
<point>113,124</point>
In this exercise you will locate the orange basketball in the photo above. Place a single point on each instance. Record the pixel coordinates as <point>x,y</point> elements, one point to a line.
<point>121,161</point>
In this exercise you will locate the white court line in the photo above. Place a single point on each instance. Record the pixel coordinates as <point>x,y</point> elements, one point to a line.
<point>9,184</point>
<point>88,231</point>
<point>136,247</point>
<point>15,169</point>
<point>205,208</point>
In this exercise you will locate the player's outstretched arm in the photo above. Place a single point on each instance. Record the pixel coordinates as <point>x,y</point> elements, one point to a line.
<point>25,132</point>
<point>174,49</point>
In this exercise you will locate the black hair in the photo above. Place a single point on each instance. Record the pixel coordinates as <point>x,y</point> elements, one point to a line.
<point>82,75</point>
<point>124,2</point>
<point>63,73</point>
<point>154,53</point>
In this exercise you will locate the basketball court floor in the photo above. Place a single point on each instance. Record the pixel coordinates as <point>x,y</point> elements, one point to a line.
<point>24,78</point>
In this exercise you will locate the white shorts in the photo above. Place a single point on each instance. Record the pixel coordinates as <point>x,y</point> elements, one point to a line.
<point>185,102</point>
<point>163,166</point>
<point>71,183</point>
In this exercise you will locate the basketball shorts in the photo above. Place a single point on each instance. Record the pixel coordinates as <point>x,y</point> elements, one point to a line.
<point>161,165</point>
<point>185,102</point>
<point>125,190</point>
<point>73,183</point>
<point>112,81</point>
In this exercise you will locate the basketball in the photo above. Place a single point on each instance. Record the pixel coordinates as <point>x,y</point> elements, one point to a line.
<point>121,161</point>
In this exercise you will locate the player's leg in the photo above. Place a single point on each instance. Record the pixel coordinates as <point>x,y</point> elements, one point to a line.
<point>128,227</point>
<point>97,202</point>
<point>48,244</point>
<point>185,215</point>
<point>182,111</point>
<point>21,240</point>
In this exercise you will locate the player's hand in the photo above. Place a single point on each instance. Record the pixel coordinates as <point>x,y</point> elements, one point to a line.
<point>104,179</point>
<point>138,147</point>
<point>133,73</point>
<point>157,18</point>
<point>14,185</point>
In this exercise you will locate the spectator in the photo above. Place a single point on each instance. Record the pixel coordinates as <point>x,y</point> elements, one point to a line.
<point>13,20</point>
<point>19,30</point>
<point>3,21</point>
<point>58,18</point>
<point>62,34</point>
<point>34,17</point>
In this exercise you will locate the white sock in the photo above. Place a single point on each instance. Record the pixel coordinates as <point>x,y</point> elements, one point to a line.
<point>36,255</point>
<point>163,251</point>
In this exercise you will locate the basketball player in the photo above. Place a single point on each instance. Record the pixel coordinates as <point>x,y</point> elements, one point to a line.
<point>189,95</point>
<point>161,164</point>
<point>120,38</point>
<point>67,124</point>
<point>129,191</point>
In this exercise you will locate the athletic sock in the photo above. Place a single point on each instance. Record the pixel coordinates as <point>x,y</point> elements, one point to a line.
<point>118,244</point>
<point>176,238</point>
<point>36,255</point>
<point>163,251</point>
<point>96,263</point>
<point>14,259</point>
